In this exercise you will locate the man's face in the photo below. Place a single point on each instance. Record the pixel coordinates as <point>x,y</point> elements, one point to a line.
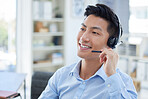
<point>93,35</point>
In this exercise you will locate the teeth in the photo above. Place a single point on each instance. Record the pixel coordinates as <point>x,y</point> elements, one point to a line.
<point>84,46</point>
<point>80,42</point>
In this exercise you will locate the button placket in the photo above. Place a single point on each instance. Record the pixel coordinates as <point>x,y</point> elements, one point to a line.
<point>83,82</point>
<point>108,85</point>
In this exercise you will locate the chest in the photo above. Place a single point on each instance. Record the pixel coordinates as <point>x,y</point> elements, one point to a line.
<point>93,88</point>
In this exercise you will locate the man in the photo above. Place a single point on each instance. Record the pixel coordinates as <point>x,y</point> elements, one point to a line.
<point>96,75</point>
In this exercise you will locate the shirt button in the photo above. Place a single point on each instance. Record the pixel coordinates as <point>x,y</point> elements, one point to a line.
<point>83,83</point>
<point>108,85</point>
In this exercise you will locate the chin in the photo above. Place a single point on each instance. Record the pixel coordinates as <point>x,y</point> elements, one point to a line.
<point>84,56</point>
<point>88,56</point>
<point>81,55</point>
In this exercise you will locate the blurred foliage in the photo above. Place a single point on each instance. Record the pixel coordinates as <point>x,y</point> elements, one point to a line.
<point>3,34</point>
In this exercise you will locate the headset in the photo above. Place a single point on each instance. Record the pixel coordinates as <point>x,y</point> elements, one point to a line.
<point>113,41</point>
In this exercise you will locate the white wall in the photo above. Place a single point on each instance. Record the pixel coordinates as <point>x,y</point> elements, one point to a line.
<point>24,36</point>
<point>71,30</point>
<point>122,11</point>
<point>24,40</point>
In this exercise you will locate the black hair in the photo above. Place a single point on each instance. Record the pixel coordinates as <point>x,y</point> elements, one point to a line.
<point>106,13</point>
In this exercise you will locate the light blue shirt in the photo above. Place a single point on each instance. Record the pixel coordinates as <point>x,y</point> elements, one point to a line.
<point>67,84</point>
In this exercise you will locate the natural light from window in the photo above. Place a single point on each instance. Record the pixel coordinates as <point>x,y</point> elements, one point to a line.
<point>7,35</point>
<point>138,22</point>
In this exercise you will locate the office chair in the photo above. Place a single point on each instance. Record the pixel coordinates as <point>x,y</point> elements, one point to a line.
<point>39,82</point>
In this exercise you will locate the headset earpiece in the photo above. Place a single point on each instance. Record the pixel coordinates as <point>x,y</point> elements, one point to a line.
<point>112,41</point>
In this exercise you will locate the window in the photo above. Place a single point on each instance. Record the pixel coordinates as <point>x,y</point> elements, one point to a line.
<point>138,22</point>
<point>7,35</point>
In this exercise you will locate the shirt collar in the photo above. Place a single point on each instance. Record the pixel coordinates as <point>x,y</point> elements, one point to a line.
<point>76,69</point>
<point>100,72</point>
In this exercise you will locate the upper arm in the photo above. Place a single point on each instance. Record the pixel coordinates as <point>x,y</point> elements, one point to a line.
<point>51,88</point>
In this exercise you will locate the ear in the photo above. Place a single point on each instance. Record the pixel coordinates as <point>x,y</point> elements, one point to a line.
<point>106,47</point>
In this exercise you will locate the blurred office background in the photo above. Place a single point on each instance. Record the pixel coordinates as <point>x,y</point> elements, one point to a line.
<point>40,35</point>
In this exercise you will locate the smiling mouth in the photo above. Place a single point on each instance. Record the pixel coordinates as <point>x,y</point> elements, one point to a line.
<point>84,46</point>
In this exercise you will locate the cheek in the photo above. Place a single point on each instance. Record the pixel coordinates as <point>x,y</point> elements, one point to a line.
<point>100,42</point>
<point>79,36</point>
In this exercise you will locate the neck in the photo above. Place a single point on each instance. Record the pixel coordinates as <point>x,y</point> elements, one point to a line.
<point>89,68</point>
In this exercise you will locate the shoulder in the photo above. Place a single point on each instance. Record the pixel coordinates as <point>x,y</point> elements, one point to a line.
<point>64,71</point>
<point>125,77</point>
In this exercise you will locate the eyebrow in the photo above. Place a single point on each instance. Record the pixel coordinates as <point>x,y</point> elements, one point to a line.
<point>96,27</point>
<point>83,24</point>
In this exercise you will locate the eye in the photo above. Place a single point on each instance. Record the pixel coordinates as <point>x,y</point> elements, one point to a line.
<point>82,29</point>
<point>95,33</point>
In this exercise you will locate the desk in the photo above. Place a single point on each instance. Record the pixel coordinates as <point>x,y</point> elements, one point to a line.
<point>11,81</point>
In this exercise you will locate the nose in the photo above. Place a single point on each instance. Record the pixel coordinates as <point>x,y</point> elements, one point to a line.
<point>85,37</point>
